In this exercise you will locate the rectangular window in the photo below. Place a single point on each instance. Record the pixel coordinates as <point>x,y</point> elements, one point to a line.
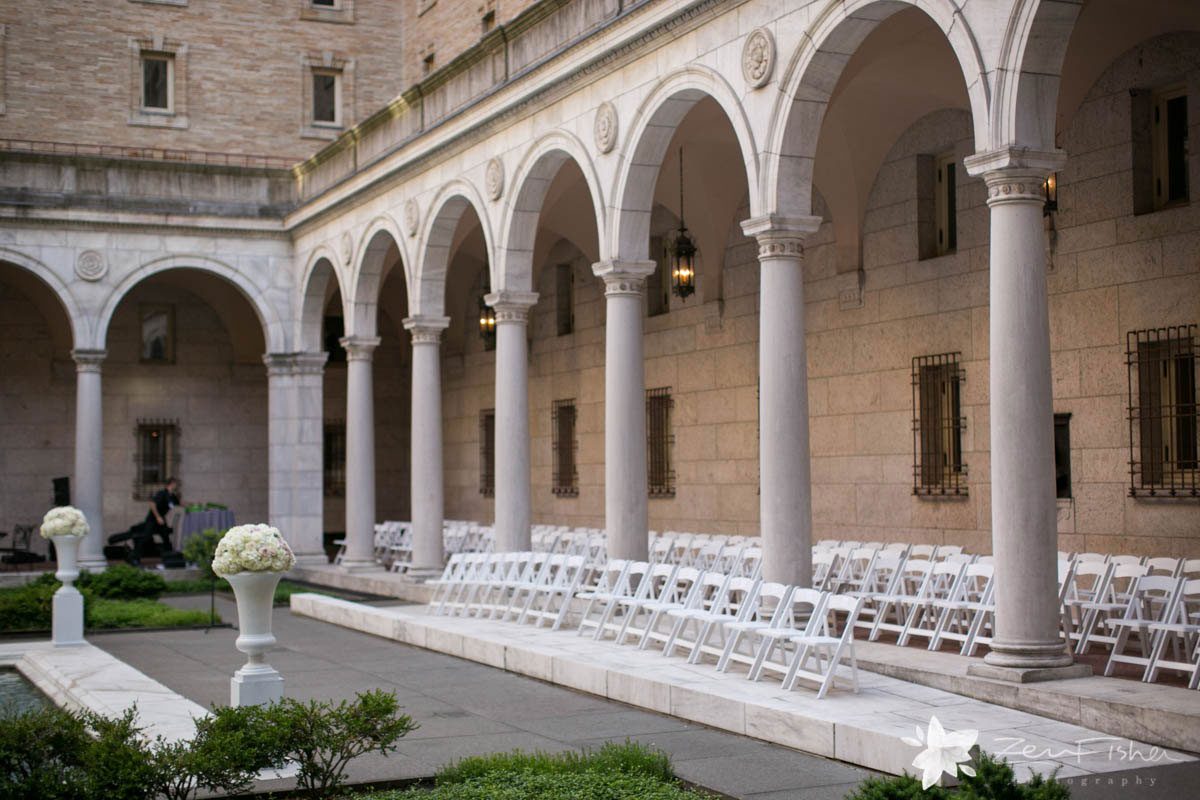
<point>158,334</point>
<point>487,452</point>
<point>325,3</point>
<point>334,446</point>
<point>658,285</point>
<point>158,77</point>
<point>335,329</point>
<point>157,456</point>
<point>564,295</point>
<point>488,22</point>
<point>1170,134</point>
<point>945,205</point>
<point>562,428</point>
<point>938,467</point>
<point>326,97</point>
<point>1164,453</point>
<point>1062,456</point>
<point>659,475</point>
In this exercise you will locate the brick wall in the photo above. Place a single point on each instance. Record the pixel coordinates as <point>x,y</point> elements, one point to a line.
<point>240,77</point>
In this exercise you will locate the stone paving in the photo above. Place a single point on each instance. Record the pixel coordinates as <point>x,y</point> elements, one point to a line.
<point>467,708</point>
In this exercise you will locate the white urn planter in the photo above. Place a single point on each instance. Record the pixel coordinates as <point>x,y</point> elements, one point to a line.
<point>67,624</point>
<point>257,682</point>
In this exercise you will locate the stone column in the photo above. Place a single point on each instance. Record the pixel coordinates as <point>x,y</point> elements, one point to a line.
<point>88,489</point>
<point>625,516</point>
<point>513,493</point>
<point>295,456</point>
<point>428,502</point>
<point>1024,527</point>
<point>360,454</point>
<point>785,498</point>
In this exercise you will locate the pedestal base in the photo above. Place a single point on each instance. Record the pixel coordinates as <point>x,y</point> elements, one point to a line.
<point>67,625</point>
<point>360,566</point>
<point>1028,674</point>
<point>255,686</point>
<point>422,574</point>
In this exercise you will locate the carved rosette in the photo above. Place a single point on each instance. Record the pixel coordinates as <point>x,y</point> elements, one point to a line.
<point>493,179</point>
<point>605,127</point>
<point>88,360</point>
<point>359,348</point>
<point>412,216</point>
<point>90,266</point>
<point>619,284</point>
<point>1015,186</point>
<point>286,364</point>
<point>758,58</point>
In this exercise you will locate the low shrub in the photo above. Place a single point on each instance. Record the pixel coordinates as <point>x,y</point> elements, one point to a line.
<point>200,548</point>
<point>628,758</point>
<point>994,779</point>
<point>107,614</point>
<point>322,738</point>
<point>28,607</point>
<point>123,582</point>
<point>42,755</point>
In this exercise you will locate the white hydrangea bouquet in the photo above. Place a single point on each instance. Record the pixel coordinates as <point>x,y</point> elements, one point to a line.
<point>64,521</point>
<point>252,548</point>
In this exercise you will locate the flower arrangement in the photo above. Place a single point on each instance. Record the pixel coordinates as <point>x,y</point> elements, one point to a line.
<point>64,521</point>
<point>252,548</point>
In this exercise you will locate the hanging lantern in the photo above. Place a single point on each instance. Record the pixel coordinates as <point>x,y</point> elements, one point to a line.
<point>683,251</point>
<point>1050,186</point>
<point>487,322</point>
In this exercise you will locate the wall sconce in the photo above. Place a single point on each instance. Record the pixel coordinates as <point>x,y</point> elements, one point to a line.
<point>487,322</point>
<point>1050,187</point>
<point>683,251</point>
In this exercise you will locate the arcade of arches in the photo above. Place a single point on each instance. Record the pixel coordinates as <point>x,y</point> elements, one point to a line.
<point>865,185</point>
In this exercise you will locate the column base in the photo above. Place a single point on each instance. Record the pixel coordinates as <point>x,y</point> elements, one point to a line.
<point>358,567</point>
<point>1029,663</point>
<point>259,685</point>
<point>422,574</point>
<point>312,560</point>
<point>93,564</point>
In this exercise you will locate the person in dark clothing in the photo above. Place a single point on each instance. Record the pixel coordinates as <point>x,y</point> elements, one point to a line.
<point>155,524</point>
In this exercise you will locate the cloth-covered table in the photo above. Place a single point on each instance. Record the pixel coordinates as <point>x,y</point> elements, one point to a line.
<point>188,523</point>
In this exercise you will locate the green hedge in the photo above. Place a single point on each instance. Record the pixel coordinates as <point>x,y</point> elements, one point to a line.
<point>626,771</point>
<point>107,614</point>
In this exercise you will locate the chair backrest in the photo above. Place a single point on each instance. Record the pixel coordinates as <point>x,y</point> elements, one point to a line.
<point>822,565</point>
<point>681,585</point>
<point>957,558</point>
<point>611,575</point>
<point>1153,597</point>
<point>751,562</point>
<point>903,547</point>
<point>802,609</point>
<point>1088,580</point>
<point>1125,559</point>
<point>884,572</point>
<point>708,592</point>
<point>729,560</point>
<point>1190,568</point>
<point>943,578</point>
<point>945,550</point>
<point>740,599</point>
<point>656,580</point>
<point>1102,557</point>
<point>856,565</point>
<point>1163,566</point>
<point>922,551</point>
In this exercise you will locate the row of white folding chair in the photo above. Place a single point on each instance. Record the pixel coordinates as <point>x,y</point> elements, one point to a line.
<point>689,608</point>
<point>1158,565</point>
<point>527,585</point>
<point>1164,613</point>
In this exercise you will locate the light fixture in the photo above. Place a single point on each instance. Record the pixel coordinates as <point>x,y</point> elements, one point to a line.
<point>1050,187</point>
<point>487,321</point>
<point>683,251</point>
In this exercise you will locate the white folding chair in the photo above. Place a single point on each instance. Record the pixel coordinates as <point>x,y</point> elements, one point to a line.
<point>769,608</point>
<point>826,647</point>
<point>655,583</point>
<point>451,576</point>
<point>704,601</point>
<point>626,583</point>
<point>1116,597</point>
<point>892,609</point>
<point>1152,600</point>
<point>674,594</point>
<point>963,617</point>
<point>924,613</point>
<point>881,580</point>
<point>550,603</point>
<point>1182,634</point>
<point>736,605</point>
<point>802,617</point>
<point>1085,584</point>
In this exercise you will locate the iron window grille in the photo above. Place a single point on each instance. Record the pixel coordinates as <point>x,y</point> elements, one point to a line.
<point>938,468</point>
<point>1164,453</point>
<point>334,458</point>
<point>487,452</point>
<point>562,428</point>
<point>157,457</point>
<point>659,442</point>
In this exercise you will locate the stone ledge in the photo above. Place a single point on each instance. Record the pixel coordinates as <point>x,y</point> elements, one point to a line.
<point>377,582</point>
<point>864,729</point>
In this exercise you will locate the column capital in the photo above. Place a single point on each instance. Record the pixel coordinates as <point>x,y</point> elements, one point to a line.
<point>359,348</point>
<point>779,236</point>
<point>88,360</point>
<point>511,306</point>
<point>1015,174</point>
<point>623,277</point>
<point>311,363</point>
<point>426,329</point>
